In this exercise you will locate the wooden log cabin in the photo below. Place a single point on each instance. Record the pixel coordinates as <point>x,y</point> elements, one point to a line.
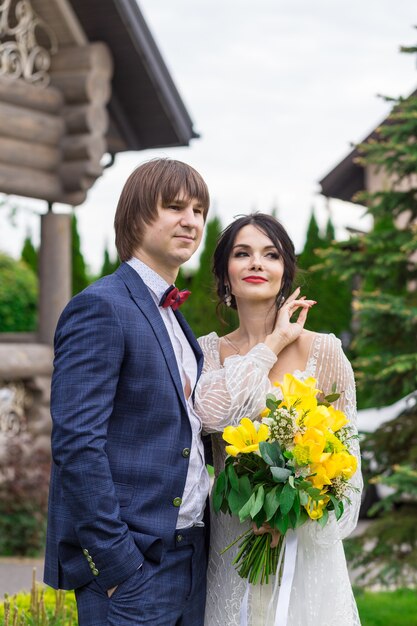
<point>79,79</point>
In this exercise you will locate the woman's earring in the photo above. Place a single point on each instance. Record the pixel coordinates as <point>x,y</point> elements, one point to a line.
<point>280,300</point>
<point>227,296</point>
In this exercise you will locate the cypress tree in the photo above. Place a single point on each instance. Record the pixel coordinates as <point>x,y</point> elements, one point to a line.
<point>79,271</point>
<point>29,254</point>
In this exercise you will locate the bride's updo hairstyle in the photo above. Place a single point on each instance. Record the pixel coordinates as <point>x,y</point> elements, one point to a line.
<point>273,229</point>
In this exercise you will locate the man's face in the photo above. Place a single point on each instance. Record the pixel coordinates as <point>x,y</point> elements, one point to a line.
<point>173,237</point>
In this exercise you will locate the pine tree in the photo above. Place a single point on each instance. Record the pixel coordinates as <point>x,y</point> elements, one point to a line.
<point>109,265</point>
<point>332,312</point>
<point>386,317</point>
<point>29,254</point>
<point>79,271</point>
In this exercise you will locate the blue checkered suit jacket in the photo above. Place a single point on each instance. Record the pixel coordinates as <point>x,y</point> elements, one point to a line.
<point>120,425</point>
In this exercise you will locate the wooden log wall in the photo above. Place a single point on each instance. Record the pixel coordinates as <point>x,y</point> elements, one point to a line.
<point>83,75</point>
<point>52,139</point>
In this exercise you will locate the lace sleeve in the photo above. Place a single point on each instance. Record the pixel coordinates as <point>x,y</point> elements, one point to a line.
<point>225,394</point>
<point>333,368</point>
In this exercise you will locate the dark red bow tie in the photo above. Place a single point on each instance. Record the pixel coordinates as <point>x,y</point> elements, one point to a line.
<point>173,297</point>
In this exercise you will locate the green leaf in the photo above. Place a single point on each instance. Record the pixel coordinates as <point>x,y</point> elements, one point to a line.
<point>259,501</point>
<point>236,501</point>
<point>286,499</point>
<point>281,523</point>
<point>303,497</point>
<point>314,493</point>
<point>232,476</point>
<point>303,518</point>
<point>245,511</point>
<point>272,502</point>
<point>323,519</point>
<point>245,488</point>
<point>271,453</point>
<point>338,506</point>
<point>280,474</point>
<point>219,491</point>
<point>332,397</point>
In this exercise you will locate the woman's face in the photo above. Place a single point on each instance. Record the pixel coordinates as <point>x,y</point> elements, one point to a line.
<point>255,268</point>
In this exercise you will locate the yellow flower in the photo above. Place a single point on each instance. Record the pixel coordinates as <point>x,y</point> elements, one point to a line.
<point>315,509</point>
<point>244,438</point>
<point>313,441</point>
<point>341,464</point>
<point>318,417</point>
<point>320,478</point>
<point>265,412</point>
<point>337,419</point>
<point>333,444</point>
<point>294,390</point>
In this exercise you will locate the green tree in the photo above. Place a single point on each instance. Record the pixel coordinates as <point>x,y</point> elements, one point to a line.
<point>385,344</point>
<point>201,308</point>
<point>30,254</point>
<point>18,296</point>
<point>332,313</point>
<point>109,265</point>
<point>80,279</point>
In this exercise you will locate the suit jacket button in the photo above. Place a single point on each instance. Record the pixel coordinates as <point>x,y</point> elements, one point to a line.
<point>95,572</point>
<point>179,538</point>
<point>186,453</point>
<point>177,501</point>
<point>92,565</point>
<point>85,552</point>
<point>89,559</point>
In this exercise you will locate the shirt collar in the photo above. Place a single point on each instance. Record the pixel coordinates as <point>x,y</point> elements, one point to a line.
<point>154,282</point>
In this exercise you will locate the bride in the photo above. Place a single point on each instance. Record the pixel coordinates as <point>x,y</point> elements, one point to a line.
<point>254,266</point>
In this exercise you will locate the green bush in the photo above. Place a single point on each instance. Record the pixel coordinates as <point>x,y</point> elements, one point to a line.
<point>43,606</point>
<point>18,296</point>
<point>24,477</point>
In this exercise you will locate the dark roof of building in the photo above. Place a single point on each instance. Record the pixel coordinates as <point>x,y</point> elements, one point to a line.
<point>347,178</point>
<point>146,109</point>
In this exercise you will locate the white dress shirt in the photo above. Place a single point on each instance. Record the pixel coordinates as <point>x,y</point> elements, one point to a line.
<point>197,483</point>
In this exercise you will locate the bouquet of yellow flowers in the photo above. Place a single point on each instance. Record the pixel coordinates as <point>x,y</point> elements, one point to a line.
<point>292,466</point>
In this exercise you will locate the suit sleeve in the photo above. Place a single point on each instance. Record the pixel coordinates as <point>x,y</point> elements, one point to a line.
<point>89,349</point>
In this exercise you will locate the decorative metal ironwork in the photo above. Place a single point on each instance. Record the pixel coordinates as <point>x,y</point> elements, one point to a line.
<point>12,410</point>
<point>21,53</point>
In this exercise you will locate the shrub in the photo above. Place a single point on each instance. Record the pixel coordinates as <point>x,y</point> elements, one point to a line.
<point>24,477</point>
<point>43,606</point>
<point>18,296</point>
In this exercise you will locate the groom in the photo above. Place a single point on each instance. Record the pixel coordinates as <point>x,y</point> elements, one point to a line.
<point>129,483</point>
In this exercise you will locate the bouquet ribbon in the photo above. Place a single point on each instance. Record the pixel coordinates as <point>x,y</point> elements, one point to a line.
<point>289,548</point>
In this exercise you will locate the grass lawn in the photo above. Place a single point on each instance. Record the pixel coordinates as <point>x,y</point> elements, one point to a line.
<point>387,608</point>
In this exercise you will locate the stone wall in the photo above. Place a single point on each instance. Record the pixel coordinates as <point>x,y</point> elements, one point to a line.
<point>25,379</point>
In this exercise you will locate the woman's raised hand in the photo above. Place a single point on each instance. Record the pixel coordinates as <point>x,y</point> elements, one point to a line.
<point>285,330</point>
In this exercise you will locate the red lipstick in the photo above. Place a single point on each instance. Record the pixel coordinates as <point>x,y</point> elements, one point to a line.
<point>255,279</point>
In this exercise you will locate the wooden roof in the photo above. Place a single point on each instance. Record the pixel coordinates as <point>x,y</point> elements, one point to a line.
<point>146,109</point>
<point>347,178</point>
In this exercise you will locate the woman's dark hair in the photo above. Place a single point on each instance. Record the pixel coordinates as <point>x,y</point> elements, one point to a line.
<point>153,181</point>
<point>273,229</point>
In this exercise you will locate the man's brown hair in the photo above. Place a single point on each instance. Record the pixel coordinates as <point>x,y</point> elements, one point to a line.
<point>158,179</point>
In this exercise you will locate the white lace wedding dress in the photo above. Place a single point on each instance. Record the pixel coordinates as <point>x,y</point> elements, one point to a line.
<point>321,593</point>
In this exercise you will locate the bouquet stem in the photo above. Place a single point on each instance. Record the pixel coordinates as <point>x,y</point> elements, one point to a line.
<point>256,560</point>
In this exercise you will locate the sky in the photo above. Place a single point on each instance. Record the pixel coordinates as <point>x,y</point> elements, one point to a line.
<point>278,90</point>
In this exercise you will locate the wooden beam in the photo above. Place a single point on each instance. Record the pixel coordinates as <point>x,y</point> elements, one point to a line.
<point>86,118</point>
<point>22,123</point>
<point>95,57</point>
<point>32,183</point>
<point>81,147</point>
<point>20,93</point>
<point>80,87</point>
<point>28,154</point>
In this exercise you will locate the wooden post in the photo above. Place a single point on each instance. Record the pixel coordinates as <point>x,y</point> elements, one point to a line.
<point>54,272</point>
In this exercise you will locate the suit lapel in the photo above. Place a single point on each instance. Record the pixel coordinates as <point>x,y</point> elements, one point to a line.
<point>143,299</point>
